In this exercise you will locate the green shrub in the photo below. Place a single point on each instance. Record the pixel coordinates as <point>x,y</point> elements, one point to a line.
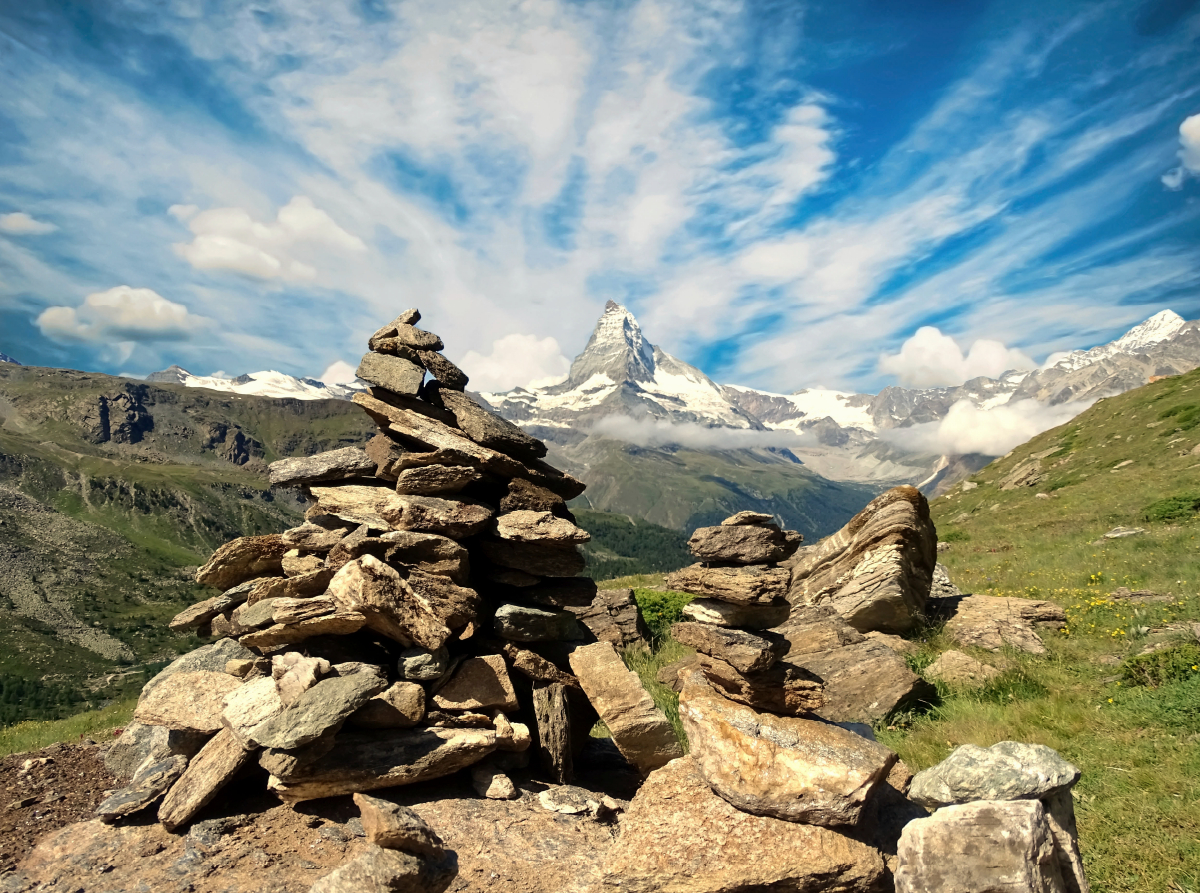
<point>1173,508</point>
<point>953,536</point>
<point>661,609</point>
<point>1162,667</point>
<point>1186,415</point>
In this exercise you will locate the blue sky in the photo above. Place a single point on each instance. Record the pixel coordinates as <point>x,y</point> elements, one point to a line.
<point>783,192</point>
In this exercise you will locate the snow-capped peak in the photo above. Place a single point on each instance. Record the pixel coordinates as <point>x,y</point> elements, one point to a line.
<point>261,384</point>
<point>1158,328</point>
<point>616,350</point>
<point>5,358</point>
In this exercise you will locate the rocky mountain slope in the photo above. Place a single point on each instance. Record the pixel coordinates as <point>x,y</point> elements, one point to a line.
<point>259,384</point>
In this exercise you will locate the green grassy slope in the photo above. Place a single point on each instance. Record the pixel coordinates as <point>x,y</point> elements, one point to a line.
<point>1127,461</point>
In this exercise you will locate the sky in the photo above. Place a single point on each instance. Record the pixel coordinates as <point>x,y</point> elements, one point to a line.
<point>786,194</point>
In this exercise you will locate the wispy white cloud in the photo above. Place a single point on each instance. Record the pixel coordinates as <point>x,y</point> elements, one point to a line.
<point>19,223</point>
<point>659,432</point>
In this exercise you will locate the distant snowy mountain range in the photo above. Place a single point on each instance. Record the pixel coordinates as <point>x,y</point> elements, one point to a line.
<point>623,388</point>
<point>5,358</point>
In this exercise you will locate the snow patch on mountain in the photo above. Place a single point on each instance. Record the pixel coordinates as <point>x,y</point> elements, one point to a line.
<point>1160,327</point>
<point>261,384</point>
<point>5,358</point>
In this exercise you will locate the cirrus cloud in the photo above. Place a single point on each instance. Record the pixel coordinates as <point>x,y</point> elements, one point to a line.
<point>932,359</point>
<point>120,314</point>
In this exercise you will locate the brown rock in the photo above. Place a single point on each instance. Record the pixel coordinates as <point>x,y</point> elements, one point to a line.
<point>896,643</point>
<point>204,612</point>
<point>396,827</point>
<point>429,480</point>
<point>456,606</point>
<point>677,836</point>
<point>538,527</point>
<point>429,552</point>
<point>360,504</point>
<point>639,728</point>
<point>429,434</point>
<point>429,514</point>
<point>718,613</point>
<point>368,761</point>
<point>525,495</point>
<point>989,622</point>
<point>980,847</point>
<point>613,616</point>
<point>789,768</point>
<point>487,428</point>
<point>400,706</point>
<point>243,559</point>
<point>782,688</point>
<point>409,317</point>
<point>406,335</point>
<point>864,680</point>
<point>391,457</point>
<point>745,652</point>
<point>294,610</point>
<point>209,771</point>
<point>960,670</point>
<point>296,564</point>
<point>740,544</point>
<point>324,706</point>
<point>564,592</point>
<point>490,782</point>
<point>447,374</point>
<point>334,465</point>
<point>544,475</point>
<point>541,559</point>
<point>341,623</point>
<point>294,674</point>
<point>876,571</point>
<point>553,718</point>
<point>388,603</point>
<point>480,683</point>
<point>318,535</point>
<point>536,667</point>
<point>394,373</point>
<point>187,701</point>
<point>376,870</point>
<point>740,585</point>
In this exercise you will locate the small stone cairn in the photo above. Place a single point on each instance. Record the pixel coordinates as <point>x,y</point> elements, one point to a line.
<point>740,593</point>
<point>422,619</point>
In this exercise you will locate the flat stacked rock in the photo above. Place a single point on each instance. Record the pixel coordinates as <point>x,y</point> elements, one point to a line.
<point>418,622</point>
<point>740,589</point>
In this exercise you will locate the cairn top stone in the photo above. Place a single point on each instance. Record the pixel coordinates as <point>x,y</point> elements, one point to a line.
<point>746,519</point>
<point>1010,770</point>
<point>740,544</point>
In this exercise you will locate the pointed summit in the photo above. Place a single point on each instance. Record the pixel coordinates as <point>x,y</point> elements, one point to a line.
<point>1159,327</point>
<point>617,350</point>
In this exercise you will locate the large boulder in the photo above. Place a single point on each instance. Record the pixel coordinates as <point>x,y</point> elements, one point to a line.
<point>800,770</point>
<point>679,837</point>
<point>864,680</point>
<point>877,570</point>
<point>982,847</point>
<point>994,623</point>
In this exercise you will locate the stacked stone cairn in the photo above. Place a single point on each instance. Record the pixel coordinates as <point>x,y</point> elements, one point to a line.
<point>740,593</point>
<point>425,618</point>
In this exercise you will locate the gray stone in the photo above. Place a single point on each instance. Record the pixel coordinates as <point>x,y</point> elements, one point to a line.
<point>397,374</point>
<point>751,519</point>
<point>480,683</point>
<point>740,544</point>
<point>993,623</point>
<point>149,783</point>
<point>745,652</point>
<point>430,480</point>
<point>409,317</point>
<point>719,613</point>
<point>520,623</point>
<point>247,707</point>
<point>378,870</point>
<point>188,701</point>
<point>1009,770</point>
<point>540,559</point>
<point>538,527</point>
<point>960,670</point>
<point>638,727</point>
<point>876,571</point>
<point>740,585</point>
<point>324,706</point>
<point>318,535</point>
<point>294,674</point>
<point>342,623</point>
<point>396,827</point>
<point>984,847</point>
<point>209,771</point>
<point>255,616</point>
<point>140,743</point>
<point>613,616</point>
<point>487,428</point>
<point>525,495</point>
<point>553,722</point>
<point>204,612</point>
<point>447,374</point>
<point>400,706</point>
<point>422,665</point>
<point>334,465</point>
<point>389,604</point>
<point>406,335</point>
<point>366,761</point>
<point>789,768</point>
<point>243,559</point>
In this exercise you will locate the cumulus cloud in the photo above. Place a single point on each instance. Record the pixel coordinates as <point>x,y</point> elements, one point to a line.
<point>230,239</point>
<point>659,432</point>
<point>21,224</point>
<point>993,432</point>
<point>1189,154</point>
<point>121,315</point>
<point>338,372</point>
<point>516,361</point>
<point>932,359</point>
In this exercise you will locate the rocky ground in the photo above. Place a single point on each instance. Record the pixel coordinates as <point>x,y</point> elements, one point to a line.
<point>247,840</point>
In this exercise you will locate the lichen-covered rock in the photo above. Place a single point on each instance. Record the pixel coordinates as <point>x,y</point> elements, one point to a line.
<point>377,591</point>
<point>994,623</point>
<point>960,670</point>
<point>876,571</point>
<point>1009,770</point>
<point>393,372</point>
<point>745,652</point>
<point>727,614</point>
<point>538,527</point>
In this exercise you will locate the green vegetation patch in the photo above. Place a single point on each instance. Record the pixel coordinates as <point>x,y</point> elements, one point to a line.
<point>1162,667</point>
<point>1181,507</point>
<point>661,609</point>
